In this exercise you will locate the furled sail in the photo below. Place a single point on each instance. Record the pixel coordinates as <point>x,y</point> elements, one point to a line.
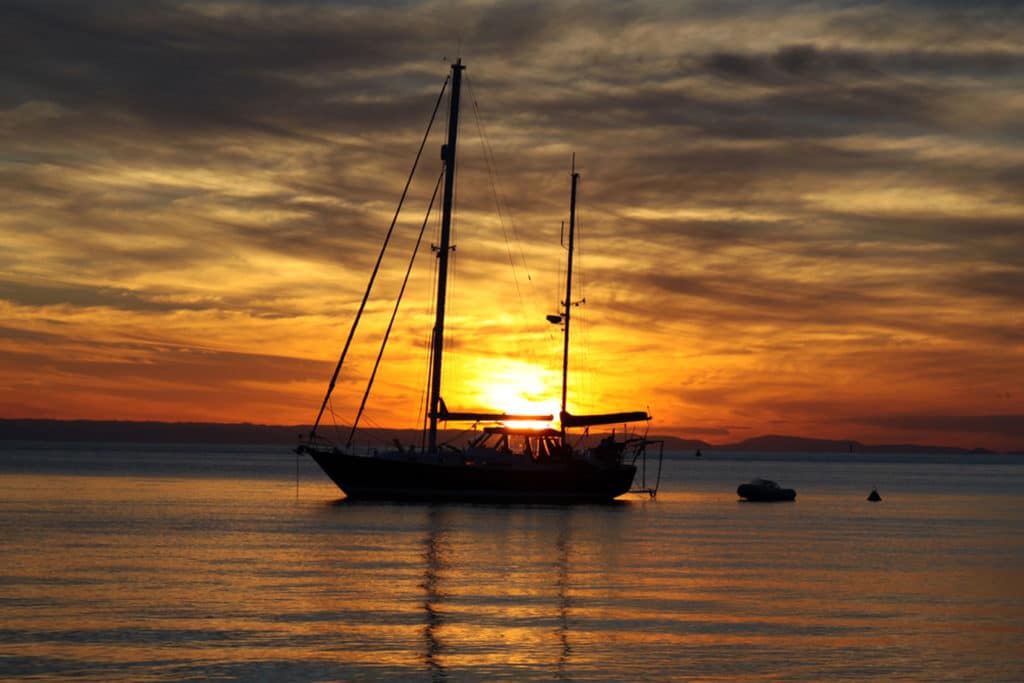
<point>569,420</point>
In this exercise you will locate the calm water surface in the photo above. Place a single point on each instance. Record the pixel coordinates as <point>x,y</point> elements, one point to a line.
<point>141,563</point>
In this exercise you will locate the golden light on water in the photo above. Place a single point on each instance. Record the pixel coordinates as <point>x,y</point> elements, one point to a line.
<point>206,562</point>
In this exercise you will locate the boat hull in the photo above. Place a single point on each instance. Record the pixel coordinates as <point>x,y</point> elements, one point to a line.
<point>385,478</point>
<point>761,494</point>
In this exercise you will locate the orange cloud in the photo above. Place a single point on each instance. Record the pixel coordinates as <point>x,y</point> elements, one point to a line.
<point>812,229</point>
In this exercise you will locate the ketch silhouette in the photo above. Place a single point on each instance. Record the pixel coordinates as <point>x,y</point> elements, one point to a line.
<point>506,461</point>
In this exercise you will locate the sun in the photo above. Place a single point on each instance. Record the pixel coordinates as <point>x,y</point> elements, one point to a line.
<point>520,393</point>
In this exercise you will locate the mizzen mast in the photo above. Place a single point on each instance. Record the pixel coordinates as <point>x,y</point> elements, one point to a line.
<point>566,419</point>
<point>568,303</point>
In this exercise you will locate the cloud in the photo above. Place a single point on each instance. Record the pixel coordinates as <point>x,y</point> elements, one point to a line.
<point>776,200</point>
<point>50,294</point>
<point>192,69</point>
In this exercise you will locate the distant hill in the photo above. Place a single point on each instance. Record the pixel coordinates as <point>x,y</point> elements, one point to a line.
<point>245,433</point>
<point>798,444</point>
<point>774,443</point>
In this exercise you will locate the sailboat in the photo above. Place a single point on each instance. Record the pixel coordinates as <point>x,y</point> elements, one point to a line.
<point>508,460</point>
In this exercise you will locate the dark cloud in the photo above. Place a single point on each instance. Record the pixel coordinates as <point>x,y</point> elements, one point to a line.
<point>858,177</point>
<point>808,63</point>
<point>182,68</point>
<point>1006,286</point>
<point>302,70</point>
<point>86,296</point>
<point>203,383</point>
<point>268,304</point>
<point>29,336</point>
<point>807,93</point>
<point>784,302</point>
<point>791,64</point>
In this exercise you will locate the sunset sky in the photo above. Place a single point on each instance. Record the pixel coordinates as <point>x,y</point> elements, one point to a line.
<point>800,218</point>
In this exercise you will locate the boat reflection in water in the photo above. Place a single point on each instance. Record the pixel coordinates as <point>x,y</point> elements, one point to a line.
<point>562,583</point>
<point>433,599</point>
<point>518,609</point>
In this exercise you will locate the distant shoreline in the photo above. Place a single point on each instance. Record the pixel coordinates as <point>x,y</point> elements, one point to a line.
<point>246,433</point>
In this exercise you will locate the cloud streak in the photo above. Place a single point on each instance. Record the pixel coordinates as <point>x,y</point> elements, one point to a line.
<point>792,215</point>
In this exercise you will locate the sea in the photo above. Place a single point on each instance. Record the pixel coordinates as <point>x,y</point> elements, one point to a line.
<point>122,562</point>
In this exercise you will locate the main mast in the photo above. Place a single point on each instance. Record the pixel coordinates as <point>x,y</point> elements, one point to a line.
<point>448,156</point>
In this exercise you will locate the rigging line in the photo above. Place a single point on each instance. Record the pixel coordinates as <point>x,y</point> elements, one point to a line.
<point>499,199</point>
<point>582,321</point>
<point>501,205</point>
<point>585,329</point>
<point>334,420</point>
<point>488,156</point>
<point>373,425</point>
<point>380,257</point>
<point>431,308</point>
<point>394,311</point>
<point>504,211</point>
<point>453,439</point>
<point>580,242</point>
<point>452,371</point>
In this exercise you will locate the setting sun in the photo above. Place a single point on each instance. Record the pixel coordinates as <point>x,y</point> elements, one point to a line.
<point>517,388</point>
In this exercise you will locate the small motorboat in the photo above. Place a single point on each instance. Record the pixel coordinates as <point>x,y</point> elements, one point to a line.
<point>764,490</point>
